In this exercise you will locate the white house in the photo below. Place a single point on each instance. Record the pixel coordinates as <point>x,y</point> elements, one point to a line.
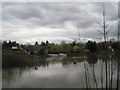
<point>14,48</point>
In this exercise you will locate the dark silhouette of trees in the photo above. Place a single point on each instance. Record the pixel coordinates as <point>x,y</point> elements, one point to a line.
<point>102,46</point>
<point>23,46</point>
<point>8,45</point>
<point>4,45</point>
<point>47,42</point>
<point>116,45</point>
<point>91,46</point>
<point>36,43</point>
<point>43,43</point>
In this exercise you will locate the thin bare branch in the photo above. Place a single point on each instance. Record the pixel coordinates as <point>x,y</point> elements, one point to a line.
<point>108,31</point>
<point>99,31</point>
<point>100,24</point>
<point>108,23</point>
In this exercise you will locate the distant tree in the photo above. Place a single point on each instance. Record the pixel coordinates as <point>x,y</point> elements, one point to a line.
<point>43,43</point>
<point>30,48</point>
<point>36,43</point>
<point>9,45</point>
<point>4,44</point>
<point>101,46</point>
<point>14,43</point>
<point>47,42</point>
<point>23,46</point>
<point>104,25</point>
<point>73,43</point>
<point>91,46</point>
<point>116,46</point>
<point>63,42</point>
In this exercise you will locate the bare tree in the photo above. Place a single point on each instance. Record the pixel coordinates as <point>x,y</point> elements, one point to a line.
<point>78,33</point>
<point>104,25</point>
<point>118,21</point>
<point>118,33</point>
<point>104,32</point>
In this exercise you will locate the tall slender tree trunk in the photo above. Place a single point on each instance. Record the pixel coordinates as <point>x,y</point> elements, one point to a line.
<point>106,74</point>
<point>118,69</point>
<point>102,76</point>
<point>104,26</point>
<point>111,74</point>
<point>118,31</point>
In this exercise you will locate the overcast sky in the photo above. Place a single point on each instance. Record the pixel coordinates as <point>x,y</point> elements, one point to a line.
<point>56,22</point>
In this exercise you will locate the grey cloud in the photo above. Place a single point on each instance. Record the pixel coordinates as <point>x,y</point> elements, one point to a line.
<point>39,15</point>
<point>18,17</point>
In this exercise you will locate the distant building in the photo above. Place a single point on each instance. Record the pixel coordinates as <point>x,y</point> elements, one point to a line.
<point>14,48</point>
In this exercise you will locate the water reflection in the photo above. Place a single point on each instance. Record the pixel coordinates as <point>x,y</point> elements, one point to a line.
<point>92,58</point>
<point>54,72</point>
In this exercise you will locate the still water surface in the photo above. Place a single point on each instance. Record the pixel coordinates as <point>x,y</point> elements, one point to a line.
<point>61,72</point>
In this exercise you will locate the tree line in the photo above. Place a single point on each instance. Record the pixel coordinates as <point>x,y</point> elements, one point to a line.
<point>63,47</point>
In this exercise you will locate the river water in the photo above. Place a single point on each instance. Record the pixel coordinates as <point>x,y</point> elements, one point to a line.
<point>63,72</point>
